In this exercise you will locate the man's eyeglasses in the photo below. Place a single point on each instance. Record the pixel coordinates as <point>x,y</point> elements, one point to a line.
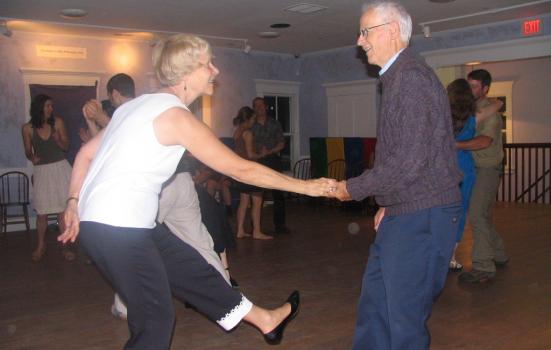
<point>364,32</point>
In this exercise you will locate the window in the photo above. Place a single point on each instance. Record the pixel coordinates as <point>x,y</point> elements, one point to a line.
<point>282,101</point>
<point>279,108</point>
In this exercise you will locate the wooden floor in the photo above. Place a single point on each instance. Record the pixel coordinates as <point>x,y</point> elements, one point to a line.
<point>59,305</point>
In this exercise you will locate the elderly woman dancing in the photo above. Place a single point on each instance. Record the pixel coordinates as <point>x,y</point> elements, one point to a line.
<point>113,199</point>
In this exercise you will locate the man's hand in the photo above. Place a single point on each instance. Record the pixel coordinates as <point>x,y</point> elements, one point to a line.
<point>321,187</point>
<point>378,217</point>
<point>341,193</point>
<point>93,112</point>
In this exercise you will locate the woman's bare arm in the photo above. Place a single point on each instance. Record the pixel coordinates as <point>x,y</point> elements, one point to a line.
<point>27,134</point>
<point>80,169</point>
<point>177,126</point>
<point>488,111</point>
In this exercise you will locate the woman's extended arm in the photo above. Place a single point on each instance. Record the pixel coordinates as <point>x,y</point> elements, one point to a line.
<point>177,126</point>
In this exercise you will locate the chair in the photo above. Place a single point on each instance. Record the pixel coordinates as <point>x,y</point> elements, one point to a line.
<point>14,194</point>
<point>301,170</point>
<point>336,169</point>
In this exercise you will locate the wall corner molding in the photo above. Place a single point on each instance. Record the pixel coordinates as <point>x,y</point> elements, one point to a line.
<point>50,71</point>
<point>508,50</point>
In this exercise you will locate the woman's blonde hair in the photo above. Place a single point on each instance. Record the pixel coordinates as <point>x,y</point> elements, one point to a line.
<point>178,55</point>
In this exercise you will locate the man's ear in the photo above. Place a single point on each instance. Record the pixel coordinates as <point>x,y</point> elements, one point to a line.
<point>485,89</point>
<point>116,95</point>
<point>394,30</point>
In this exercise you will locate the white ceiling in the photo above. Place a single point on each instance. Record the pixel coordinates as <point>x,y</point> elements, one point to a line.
<point>241,20</point>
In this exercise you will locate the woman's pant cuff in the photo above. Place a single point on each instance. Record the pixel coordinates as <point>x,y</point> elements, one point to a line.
<point>232,318</point>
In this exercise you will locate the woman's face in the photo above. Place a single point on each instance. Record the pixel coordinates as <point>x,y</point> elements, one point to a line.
<point>48,109</point>
<point>201,80</point>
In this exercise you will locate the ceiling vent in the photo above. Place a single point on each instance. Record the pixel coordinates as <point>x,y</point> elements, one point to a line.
<point>305,8</point>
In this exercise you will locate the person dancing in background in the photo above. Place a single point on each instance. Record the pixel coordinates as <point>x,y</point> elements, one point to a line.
<point>464,119</point>
<point>487,149</point>
<point>113,201</point>
<point>46,143</point>
<point>244,146</point>
<point>120,89</point>
<point>180,213</point>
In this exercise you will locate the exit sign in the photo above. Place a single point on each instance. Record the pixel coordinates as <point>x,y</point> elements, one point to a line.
<point>531,27</point>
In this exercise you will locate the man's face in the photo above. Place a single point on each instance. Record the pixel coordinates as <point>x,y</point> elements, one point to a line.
<point>259,108</point>
<point>113,98</point>
<point>479,91</point>
<point>377,41</point>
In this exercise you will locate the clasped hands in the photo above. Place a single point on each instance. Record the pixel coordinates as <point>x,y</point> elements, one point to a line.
<point>330,188</point>
<point>340,192</point>
<point>93,111</point>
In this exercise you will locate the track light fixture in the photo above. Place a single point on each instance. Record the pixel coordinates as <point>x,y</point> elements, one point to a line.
<point>426,31</point>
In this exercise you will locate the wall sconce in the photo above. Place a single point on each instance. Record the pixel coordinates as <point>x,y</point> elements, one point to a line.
<point>4,30</point>
<point>122,57</point>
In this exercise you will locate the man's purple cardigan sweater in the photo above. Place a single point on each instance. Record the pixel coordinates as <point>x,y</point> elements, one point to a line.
<point>415,158</point>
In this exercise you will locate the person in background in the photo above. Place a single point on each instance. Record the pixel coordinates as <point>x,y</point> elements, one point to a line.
<point>217,185</point>
<point>46,143</point>
<point>113,202</point>
<point>244,146</point>
<point>415,180</point>
<point>180,213</point>
<point>487,146</point>
<point>120,89</point>
<point>464,119</point>
<point>269,141</point>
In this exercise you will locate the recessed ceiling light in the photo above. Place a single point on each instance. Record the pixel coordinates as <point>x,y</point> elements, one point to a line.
<point>474,63</point>
<point>268,34</point>
<point>305,8</point>
<point>441,1</point>
<point>280,25</point>
<point>73,13</point>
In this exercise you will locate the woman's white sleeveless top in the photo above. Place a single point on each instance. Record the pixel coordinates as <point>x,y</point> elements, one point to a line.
<point>124,180</point>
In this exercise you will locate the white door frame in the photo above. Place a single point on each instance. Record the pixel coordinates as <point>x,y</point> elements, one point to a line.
<point>492,52</point>
<point>54,77</point>
<point>359,116</point>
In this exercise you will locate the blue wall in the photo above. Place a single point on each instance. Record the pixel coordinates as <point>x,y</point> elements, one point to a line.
<point>236,85</point>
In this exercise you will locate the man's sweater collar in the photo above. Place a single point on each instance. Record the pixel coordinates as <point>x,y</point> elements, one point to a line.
<point>404,56</point>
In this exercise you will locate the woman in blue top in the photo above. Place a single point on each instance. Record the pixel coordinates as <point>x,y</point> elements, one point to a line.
<point>464,118</point>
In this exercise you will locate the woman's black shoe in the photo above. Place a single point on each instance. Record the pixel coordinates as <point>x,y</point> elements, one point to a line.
<point>274,337</point>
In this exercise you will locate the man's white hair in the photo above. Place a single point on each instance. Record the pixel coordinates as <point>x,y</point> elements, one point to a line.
<point>392,11</point>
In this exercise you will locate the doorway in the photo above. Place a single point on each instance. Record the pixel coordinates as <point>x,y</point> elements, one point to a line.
<point>68,101</point>
<point>69,91</point>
